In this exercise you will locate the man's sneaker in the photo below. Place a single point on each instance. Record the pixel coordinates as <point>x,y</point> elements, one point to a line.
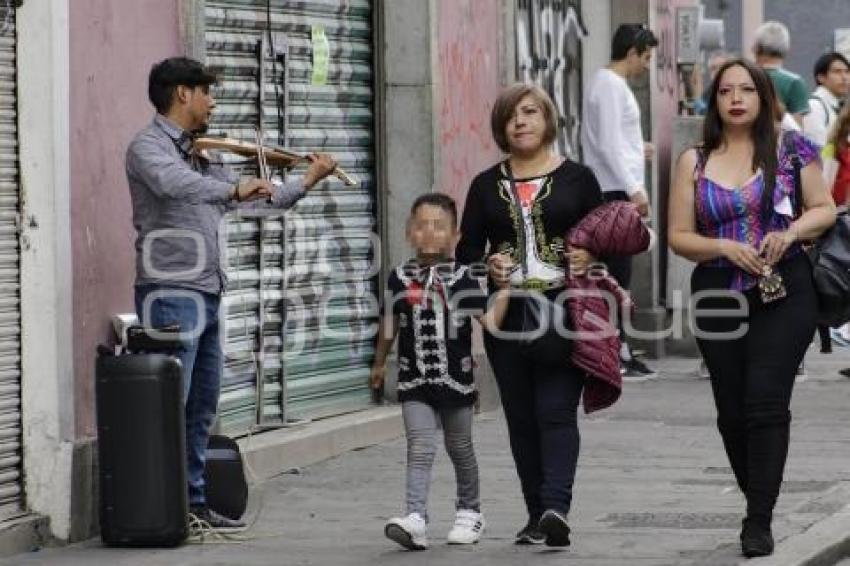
<point>467,528</point>
<point>702,370</point>
<point>554,526</point>
<point>635,371</point>
<point>629,376</point>
<point>637,365</point>
<point>202,517</point>
<point>411,532</point>
<point>840,336</point>
<point>530,534</point>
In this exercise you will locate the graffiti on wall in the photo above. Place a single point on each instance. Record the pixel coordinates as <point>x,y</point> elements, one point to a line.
<point>549,37</point>
<point>7,13</point>
<point>665,54</point>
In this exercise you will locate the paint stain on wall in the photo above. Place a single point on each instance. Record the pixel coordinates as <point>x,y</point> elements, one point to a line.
<point>468,60</point>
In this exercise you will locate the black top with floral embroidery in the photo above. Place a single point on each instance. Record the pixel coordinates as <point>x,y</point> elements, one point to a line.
<point>567,194</point>
<point>433,306</point>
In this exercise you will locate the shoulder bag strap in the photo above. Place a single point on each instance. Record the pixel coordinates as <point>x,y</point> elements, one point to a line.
<point>702,158</point>
<point>825,109</point>
<point>791,150</point>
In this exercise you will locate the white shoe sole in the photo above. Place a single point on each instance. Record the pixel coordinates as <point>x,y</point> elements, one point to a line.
<point>527,540</point>
<point>460,542</point>
<point>199,527</point>
<point>397,534</point>
<point>634,378</point>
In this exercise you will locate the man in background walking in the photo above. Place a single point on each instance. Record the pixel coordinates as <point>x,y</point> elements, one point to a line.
<point>614,149</point>
<point>772,44</point>
<point>832,75</point>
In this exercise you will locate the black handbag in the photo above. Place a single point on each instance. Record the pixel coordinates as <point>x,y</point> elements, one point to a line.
<point>225,486</point>
<point>543,319</point>
<point>830,259</point>
<point>548,346</point>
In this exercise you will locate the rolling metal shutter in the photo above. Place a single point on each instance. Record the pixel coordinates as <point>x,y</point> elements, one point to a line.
<point>316,279</point>
<point>11,495</point>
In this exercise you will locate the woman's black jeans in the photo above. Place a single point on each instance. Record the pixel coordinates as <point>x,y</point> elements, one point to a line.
<point>752,376</point>
<point>541,405</point>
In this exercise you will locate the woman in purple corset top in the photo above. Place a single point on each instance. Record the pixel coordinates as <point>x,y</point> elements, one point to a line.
<point>733,210</point>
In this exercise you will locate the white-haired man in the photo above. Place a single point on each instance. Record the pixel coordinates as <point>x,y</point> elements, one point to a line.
<point>772,43</point>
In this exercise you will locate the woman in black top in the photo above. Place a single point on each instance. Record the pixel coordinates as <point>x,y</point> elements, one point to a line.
<point>549,195</point>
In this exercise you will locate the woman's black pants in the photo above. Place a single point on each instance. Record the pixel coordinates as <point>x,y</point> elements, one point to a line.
<point>541,404</point>
<point>752,375</point>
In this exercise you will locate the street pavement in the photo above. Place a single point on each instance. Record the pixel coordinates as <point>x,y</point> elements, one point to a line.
<point>653,488</point>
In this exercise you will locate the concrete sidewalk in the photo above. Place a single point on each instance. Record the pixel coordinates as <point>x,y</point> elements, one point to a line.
<point>653,488</point>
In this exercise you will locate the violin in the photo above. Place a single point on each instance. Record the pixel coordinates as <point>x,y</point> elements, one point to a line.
<point>267,155</point>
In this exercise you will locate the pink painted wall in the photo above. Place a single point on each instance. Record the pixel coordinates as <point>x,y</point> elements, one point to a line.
<point>112,47</point>
<point>665,95</point>
<point>665,89</point>
<point>468,71</point>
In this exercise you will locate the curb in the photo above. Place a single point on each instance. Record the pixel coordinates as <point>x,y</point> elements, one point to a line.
<point>272,453</point>
<point>25,534</point>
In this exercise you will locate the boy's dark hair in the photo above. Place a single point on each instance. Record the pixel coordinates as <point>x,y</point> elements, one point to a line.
<point>167,75</point>
<point>824,61</point>
<point>632,35</point>
<point>440,200</point>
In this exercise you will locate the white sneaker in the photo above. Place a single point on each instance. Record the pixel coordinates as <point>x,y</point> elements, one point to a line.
<point>467,528</point>
<point>411,532</point>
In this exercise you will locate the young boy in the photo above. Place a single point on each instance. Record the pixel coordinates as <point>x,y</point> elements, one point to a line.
<point>433,299</point>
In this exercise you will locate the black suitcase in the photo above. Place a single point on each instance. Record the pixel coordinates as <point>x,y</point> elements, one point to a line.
<point>141,450</point>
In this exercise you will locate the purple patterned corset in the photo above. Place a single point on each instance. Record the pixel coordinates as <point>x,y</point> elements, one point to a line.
<point>735,214</point>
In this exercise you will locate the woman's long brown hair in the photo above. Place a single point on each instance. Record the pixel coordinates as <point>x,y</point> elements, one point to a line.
<point>764,129</point>
<point>841,131</point>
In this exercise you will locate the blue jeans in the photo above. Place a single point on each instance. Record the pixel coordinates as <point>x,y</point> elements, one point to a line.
<point>202,360</point>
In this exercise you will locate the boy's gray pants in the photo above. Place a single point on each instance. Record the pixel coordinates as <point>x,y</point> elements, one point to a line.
<point>421,424</point>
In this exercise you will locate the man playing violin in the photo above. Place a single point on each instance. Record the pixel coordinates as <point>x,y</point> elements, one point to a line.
<point>179,200</point>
